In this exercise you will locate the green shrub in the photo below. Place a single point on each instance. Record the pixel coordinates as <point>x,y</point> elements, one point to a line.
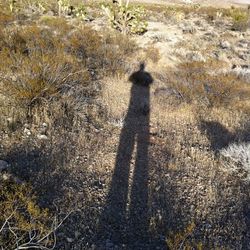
<point>63,7</point>
<point>21,5</point>
<point>22,220</point>
<point>183,240</point>
<point>240,20</point>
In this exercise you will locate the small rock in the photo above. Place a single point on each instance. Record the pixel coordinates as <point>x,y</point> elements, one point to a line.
<point>195,56</point>
<point>3,165</point>
<point>26,125</point>
<point>243,43</point>
<point>44,129</point>
<point>225,45</point>
<point>27,132</point>
<point>42,137</point>
<point>10,120</point>
<point>6,177</point>
<point>77,234</point>
<point>244,57</point>
<point>189,30</point>
<point>50,13</point>
<point>69,240</point>
<point>211,34</point>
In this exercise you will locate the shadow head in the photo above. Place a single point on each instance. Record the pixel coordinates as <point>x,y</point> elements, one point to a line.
<point>141,77</point>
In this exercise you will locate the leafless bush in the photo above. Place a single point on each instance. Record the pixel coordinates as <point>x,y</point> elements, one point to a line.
<point>238,153</point>
<point>23,224</point>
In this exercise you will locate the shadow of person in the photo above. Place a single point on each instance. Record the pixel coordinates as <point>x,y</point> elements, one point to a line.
<point>125,216</point>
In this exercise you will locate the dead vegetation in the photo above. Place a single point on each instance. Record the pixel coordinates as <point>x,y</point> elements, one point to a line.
<point>65,101</point>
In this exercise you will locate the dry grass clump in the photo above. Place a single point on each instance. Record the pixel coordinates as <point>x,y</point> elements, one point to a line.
<point>35,69</point>
<point>152,53</point>
<point>238,155</point>
<point>104,53</point>
<point>5,18</point>
<point>182,11</point>
<point>195,83</point>
<point>115,97</point>
<point>58,24</point>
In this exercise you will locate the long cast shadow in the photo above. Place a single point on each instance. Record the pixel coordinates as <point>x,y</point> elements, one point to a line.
<point>126,213</point>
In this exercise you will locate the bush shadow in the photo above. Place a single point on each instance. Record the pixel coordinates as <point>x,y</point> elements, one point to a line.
<point>43,167</point>
<point>220,137</point>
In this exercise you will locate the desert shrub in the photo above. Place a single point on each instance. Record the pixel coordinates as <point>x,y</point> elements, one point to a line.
<point>153,54</point>
<point>183,240</point>
<point>58,24</point>
<point>36,69</point>
<point>5,18</point>
<point>65,7</point>
<point>196,82</point>
<point>35,6</point>
<point>240,19</point>
<point>23,224</point>
<point>175,13</point>
<point>104,54</point>
<point>125,17</point>
<point>116,51</point>
<point>239,154</point>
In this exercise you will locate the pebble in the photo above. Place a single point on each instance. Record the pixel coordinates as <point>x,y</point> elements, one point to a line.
<point>69,240</point>
<point>5,177</point>
<point>77,234</point>
<point>42,137</point>
<point>225,45</point>
<point>3,165</point>
<point>195,57</point>
<point>189,30</point>
<point>27,132</point>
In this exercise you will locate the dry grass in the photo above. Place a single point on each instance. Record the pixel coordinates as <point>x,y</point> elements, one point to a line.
<point>77,83</point>
<point>115,97</point>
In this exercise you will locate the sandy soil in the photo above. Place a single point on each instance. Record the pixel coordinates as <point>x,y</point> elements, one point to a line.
<point>222,3</point>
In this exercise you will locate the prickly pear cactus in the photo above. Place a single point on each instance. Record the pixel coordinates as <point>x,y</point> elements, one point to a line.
<point>16,6</point>
<point>13,6</point>
<point>126,18</point>
<point>63,7</point>
<point>80,12</point>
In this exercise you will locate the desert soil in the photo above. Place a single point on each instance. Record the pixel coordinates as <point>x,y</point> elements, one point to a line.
<point>221,3</point>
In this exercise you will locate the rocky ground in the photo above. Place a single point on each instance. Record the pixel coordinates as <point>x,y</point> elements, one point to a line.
<point>221,3</point>
<point>196,39</point>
